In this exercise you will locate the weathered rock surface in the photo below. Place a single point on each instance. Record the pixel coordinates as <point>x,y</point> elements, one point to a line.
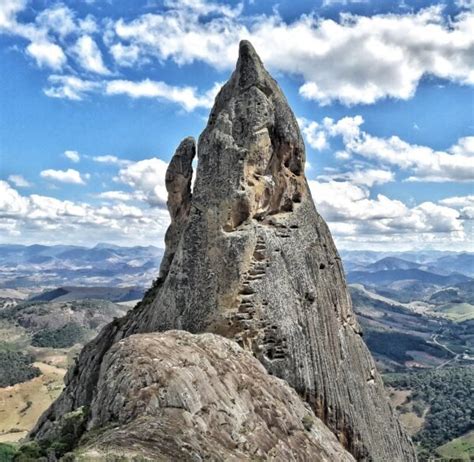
<point>178,396</point>
<point>251,259</point>
<point>178,185</point>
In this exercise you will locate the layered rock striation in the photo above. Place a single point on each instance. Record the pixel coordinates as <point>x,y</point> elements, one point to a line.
<point>177,396</point>
<point>248,257</point>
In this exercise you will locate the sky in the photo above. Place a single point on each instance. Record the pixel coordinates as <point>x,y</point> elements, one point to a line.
<point>95,96</point>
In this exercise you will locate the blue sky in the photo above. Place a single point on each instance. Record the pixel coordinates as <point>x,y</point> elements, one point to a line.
<point>96,95</point>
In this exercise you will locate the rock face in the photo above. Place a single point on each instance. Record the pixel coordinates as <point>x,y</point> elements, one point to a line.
<point>250,258</point>
<point>179,396</point>
<point>178,185</point>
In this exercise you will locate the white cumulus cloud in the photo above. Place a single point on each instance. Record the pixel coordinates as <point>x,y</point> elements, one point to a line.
<point>356,59</point>
<point>314,135</point>
<point>40,218</point>
<point>89,56</point>
<point>69,87</point>
<point>19,181</point>
<point>354,216</point>
<point>366,177</point>
<point>125,55</point>
<point>458,201</point>
<point>352,59</point>
<point>117,196</point>
<point>109,159</point>
<point>187,97</point>
<point>75,88</point>
<point>340,201</point>
<point>73,156</point>
<point>423,162</point>
<point>465,205</point>
<point>47,54</point>
<point>63,176</point>
<point>204,7</point>
<point>147,177</point>
<point>11,202</point>
<point>59,19</point>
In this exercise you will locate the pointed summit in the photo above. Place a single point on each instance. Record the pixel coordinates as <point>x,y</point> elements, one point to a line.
<point>252,260</point>
<point>249,69</point>
<point>246,49</point>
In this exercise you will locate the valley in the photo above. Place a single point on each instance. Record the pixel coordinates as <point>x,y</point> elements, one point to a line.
<point>38,341</point>
<point>418,322</point>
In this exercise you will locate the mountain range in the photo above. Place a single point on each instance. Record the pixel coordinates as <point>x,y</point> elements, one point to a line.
<point>118,274</point>
<point>40,266</point>
<point>437,262</point>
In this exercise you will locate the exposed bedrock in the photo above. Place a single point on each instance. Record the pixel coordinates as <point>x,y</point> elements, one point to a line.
<point>177,396</point>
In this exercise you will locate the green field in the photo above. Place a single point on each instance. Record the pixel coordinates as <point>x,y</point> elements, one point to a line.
<point>457,312</point>
<point>461,448</point>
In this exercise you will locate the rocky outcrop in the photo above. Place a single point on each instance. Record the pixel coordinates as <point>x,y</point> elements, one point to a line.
<point>178,185</point>
<point>251,259</point>
<point>178,396</point>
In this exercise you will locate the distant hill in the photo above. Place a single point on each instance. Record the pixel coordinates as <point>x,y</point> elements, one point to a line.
<point>390,276</point>
<point>392,263</point>
<point>113,294</point>
<point>40,266</point>
<point>38,341</point>
<point>462,292</point>
<point>366,257</point>
<point>461,263</point>
<point>87,316</point>
<point>442,262</point>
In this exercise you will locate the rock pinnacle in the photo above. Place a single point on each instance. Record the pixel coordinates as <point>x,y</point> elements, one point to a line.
<point>249,258</point>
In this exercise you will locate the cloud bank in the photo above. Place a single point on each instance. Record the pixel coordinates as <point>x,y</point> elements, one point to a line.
<point>353,60</point>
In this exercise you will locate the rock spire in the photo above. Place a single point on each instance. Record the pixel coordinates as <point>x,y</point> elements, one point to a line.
<point>248,257</point>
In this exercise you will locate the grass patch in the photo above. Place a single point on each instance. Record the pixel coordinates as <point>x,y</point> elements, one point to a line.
<point>461,448</point>
<point>457,312</point>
